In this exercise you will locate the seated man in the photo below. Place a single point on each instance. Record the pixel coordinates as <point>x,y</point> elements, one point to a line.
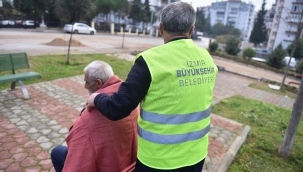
<point>96,143</point>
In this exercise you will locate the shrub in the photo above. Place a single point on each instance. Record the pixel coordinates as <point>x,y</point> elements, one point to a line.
<point>222,39</point>
<point>249,53</point>
<point>299,67</point>
<point>232,45</point>
<point>275,59</point>
<point>213,46</point>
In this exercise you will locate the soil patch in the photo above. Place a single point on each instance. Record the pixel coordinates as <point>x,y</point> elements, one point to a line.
<point>61,42</point>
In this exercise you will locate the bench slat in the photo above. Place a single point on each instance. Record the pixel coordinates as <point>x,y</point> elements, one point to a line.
<point>19,76</point>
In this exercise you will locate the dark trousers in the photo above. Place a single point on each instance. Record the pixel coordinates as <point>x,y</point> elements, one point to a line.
<point>193,168</point>
<point>58,156</point>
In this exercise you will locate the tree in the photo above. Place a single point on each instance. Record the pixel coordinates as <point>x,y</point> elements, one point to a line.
<point>259,33</point>
<point>25,6</point>
<point>72,11</point>
<point>275,59</point>
<point>218,29</point>
<point>221,29</point>
<point>105,6</point>
<point>7,7</point>
<point>207,28</point>
<point>232,45</point>
<point>147,12</point>
<point>298,54</point>
<point>288,140</point>
<point>136,12</point>
<point>200,20</point>
<point>42,7</point>
<point>122,7</point>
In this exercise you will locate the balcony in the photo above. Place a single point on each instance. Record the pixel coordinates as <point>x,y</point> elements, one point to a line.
<point>291,32</point>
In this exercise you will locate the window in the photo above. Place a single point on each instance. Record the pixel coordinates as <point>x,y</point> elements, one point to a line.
<point>294,8</point>
<point>274,33</point>
<point>288,35</point>
<point>276,25</point>
<point>272,42</point>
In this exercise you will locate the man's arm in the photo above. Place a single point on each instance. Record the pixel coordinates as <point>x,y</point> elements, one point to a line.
<point>130,93</point>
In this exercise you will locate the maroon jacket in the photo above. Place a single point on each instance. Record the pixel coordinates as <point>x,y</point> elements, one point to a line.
<point>96,143</point>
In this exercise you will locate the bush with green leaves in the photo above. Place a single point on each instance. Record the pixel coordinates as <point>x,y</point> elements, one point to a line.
<point>249,53</point>
<point>232,46</point>
<point>213,46</point>
<point>275,59</point>
<point>299,67</point>
<point>298,54</point>
<point>222,38</point>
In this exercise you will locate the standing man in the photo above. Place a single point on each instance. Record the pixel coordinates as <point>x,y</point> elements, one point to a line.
<point>174,83</point>
<point>94,142</point>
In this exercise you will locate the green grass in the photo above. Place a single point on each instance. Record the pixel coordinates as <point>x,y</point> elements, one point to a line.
<point>268,124</point>
<point>264,86</point>
<point>53,66</point>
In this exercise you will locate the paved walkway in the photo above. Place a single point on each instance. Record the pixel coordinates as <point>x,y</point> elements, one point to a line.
<point>29,129</point>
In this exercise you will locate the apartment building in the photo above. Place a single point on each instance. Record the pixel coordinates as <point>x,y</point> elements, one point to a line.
<point>287,14</point>
<point>233,12</point>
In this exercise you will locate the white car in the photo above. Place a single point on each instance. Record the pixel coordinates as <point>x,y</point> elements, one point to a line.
<point>292,63</point>
<point>29,22</point>
<point>5,22</point>
<point>79,28</point>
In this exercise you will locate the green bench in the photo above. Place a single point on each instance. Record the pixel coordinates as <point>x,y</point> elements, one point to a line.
<point>13,62</point>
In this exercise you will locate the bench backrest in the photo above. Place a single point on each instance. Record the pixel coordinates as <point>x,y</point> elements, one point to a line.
<point>13,61</point>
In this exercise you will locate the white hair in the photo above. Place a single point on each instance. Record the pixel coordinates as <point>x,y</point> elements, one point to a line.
<point>99,70</point>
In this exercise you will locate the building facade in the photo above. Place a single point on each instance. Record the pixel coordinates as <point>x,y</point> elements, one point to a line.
<point>288,13</point>
<point>233,12</point>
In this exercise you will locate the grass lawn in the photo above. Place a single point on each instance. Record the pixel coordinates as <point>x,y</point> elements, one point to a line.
<point>264,86</point>
<point>268,124</point>
<point>53,67</point>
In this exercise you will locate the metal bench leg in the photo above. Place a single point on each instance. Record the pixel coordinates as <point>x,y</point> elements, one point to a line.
<point>24,90</point>
<point>13,86</point>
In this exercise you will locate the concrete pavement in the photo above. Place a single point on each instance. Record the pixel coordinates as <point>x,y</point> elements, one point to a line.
<point>31,128</point>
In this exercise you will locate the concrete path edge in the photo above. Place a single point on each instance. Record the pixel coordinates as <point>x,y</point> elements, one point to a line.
<point>234,148</point>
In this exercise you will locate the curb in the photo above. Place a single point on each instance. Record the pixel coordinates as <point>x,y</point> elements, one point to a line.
<point>232,151</point>
<point>221,68</point>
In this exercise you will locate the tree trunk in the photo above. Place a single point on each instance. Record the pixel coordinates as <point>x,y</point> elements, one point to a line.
<point>286,146</point>
<point>42,18</point>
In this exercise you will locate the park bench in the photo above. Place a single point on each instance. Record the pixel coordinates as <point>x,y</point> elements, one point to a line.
<point>13,62</point>
<point>297,76</point>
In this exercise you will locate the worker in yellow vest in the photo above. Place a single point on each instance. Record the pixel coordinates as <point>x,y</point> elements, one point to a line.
<point>173,83</point>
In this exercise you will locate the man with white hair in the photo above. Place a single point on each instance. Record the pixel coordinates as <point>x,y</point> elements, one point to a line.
<point>95,143</point>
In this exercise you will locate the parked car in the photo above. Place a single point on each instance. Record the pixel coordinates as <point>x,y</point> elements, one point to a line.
<point>18,22</point>
<point>79,28</point>
<point>11,22</point>
<point>292,64</point>
<point>4,22</point>
<point>29,22</point>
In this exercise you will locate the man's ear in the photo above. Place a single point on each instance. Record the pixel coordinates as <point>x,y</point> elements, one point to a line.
<point>161,29</point>
<point>99,83</point>
<point>191,31</point>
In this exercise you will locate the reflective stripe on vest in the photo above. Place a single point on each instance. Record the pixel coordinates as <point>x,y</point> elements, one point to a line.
<point>175,119</point>
<point>174,138</point>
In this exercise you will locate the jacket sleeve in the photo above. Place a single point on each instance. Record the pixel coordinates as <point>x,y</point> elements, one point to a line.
<point>131,92</point>
<point>81,155</point>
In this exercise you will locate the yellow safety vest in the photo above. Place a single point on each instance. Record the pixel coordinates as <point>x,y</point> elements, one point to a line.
<point>174,121</point>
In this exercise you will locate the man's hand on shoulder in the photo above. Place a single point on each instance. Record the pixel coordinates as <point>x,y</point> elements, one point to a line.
<point>90,101</point>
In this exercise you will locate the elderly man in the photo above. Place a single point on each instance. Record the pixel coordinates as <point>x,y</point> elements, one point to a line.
<point>174,83</point>
<point>96,143</point>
